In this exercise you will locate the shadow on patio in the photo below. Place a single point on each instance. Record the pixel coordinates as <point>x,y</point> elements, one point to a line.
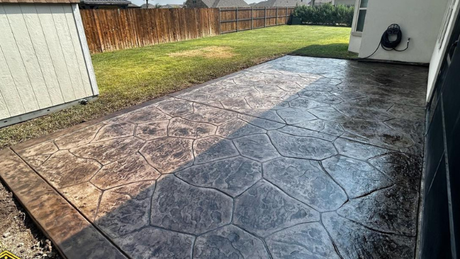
<point>325,50</point>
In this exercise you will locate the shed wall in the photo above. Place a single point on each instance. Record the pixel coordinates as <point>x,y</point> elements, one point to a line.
<point>42,61</point>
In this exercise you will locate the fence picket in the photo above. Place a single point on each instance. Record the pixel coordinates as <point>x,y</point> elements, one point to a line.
<point>114,29</point>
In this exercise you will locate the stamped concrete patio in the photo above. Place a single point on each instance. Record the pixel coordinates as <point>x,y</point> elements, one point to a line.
<point>295,158</point>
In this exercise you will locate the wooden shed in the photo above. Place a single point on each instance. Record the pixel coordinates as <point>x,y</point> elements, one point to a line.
<point>45,64</point>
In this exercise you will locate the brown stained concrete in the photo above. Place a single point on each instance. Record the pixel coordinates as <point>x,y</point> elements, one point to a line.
<point>295,158</point>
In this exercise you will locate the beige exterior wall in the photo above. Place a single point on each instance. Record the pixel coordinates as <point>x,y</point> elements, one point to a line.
<point>343,2</point>
<point>419,19</point>
<point>44,58</point>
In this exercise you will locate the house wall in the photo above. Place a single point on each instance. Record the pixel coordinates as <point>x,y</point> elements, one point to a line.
<point>451,14</point>
<point>344,2</point>
<point>354,44</point>
<point>44,58</point>
<point>355,37</point>
<point>419,19</point>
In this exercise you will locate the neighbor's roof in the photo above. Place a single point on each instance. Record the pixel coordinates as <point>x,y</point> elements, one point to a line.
<point>150,6</point>
<point>289,3</point>
<point>172,6</point>
<point>281,3</point>
<point>320,2</point>
<point>106,2</point>
<point>208,3</point>
<point>42,1</point>
<point>225,3</point>
<point>230,3</point>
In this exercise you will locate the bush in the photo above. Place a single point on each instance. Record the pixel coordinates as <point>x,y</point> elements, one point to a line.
<point>325,14</point>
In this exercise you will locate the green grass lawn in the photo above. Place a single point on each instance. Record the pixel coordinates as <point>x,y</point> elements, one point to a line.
<point>129,77</point>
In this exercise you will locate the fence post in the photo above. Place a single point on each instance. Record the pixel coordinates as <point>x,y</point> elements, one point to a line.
<point>265,17</point>
<point>276,16</point>
<point>237,19</point>
<point>220,22</point>
<point>286,17</point>
<point>252,19</point>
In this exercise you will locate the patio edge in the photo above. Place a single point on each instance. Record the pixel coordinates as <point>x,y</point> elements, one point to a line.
<point>70,232</point>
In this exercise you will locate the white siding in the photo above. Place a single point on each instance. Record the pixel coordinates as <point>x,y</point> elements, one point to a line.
<point>43,53</point>
<point>23,42</point>
<point>71,27</point>
<point>8,89</point>
<point>355,43</point>
<point>65,38</point>
<point>15,64</point>
<point>56,51</point>
<point>86,53</point>
<point>41,58</point>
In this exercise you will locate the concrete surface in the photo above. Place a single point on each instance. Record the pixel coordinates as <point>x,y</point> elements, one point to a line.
<point>295,158</point>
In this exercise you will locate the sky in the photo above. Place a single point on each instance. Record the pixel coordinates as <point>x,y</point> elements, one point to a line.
<point>163,2</point>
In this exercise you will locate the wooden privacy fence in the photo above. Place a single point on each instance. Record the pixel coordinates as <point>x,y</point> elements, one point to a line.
<point>241,19</point>
<point>114,29</point>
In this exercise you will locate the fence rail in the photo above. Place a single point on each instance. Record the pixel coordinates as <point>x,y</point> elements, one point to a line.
<point>115,29</point>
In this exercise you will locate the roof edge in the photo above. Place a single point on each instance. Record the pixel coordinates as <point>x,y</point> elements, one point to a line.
<point>39,1</point>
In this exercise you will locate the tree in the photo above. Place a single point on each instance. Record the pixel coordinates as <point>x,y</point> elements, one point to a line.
<point>312,2</point>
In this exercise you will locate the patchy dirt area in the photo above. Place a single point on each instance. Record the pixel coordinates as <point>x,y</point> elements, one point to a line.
<point>18,233</point>
<point>208,52</point>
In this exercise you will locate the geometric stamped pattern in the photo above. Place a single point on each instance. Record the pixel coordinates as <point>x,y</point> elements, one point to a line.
<point>295,158</point>
<point>309,240</point>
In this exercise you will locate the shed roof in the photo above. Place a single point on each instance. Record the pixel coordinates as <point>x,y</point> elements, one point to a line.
<point>41,1</point>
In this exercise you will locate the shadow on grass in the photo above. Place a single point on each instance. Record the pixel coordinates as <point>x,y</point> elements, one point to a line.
<point>336,50</point>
